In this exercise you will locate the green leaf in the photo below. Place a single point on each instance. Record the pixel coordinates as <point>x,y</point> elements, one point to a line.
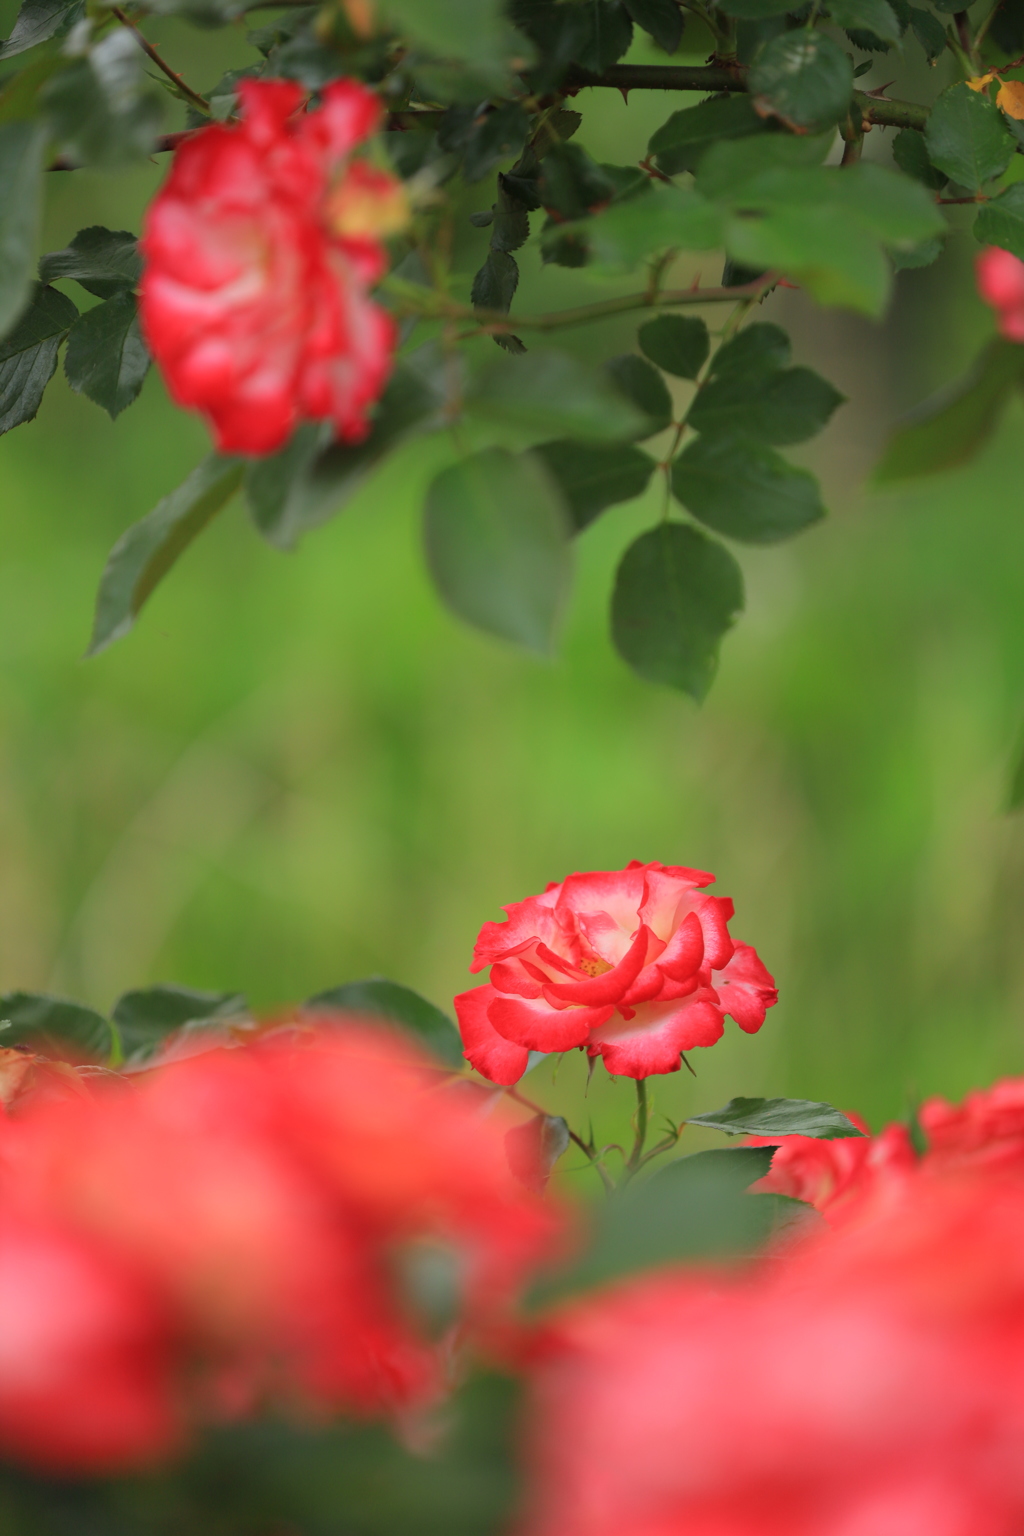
<point>549,391</point>
<point>676,594</point>
<point>756,10</point>
<point>572,183</point>
<point>917,255</point>
<point>592,476</point>
<point>144,1017</point>
<point>745,490</point>
<point>661,19</point>
<point>694,1208</point>
<point>950,428</point>
<point>1001,221</point>
<point>145,553</point>
<point>104,261</point>
<point>875,16</point>
<point>778,1117</point>
<point>534,1148</point>
<point>22,147</point>
<point>753,354</point>
<point>592,35</point>
<point>679,143</point>
<point>967,137</point>
<point>38,21</point>
<point>467,29</point>
<point>28,357</point>
<point>482,138</point>
<point>388,1000</point>
<point>911,155</point>
<point>296,490</point>
<point>803,78</point>
<point>788,407</point>
<point>929,31</point>
<point>497,542</point>
<point>53,1026</point>
<point>100,108</point>
<point>106,357</point>
<point>494,286</point>
<point>643,385</point>
<point>730,168</point>
<point>668,218</point>
<point>677,343</point>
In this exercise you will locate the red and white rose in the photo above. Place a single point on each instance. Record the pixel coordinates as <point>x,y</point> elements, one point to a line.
<point>634,965</point>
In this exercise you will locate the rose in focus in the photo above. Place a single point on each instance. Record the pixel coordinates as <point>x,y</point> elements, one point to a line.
<point>864,1383</point>
<point>1001,284</point>
<point>246,1225</point>
<point>260,250</point>
<point>636,966</point>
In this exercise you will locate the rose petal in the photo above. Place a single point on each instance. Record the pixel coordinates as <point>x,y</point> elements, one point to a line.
<point>491,1054</point>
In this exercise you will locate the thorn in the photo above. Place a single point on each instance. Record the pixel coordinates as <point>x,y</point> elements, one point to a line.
<point>879,92</point>
<point>624,93</point>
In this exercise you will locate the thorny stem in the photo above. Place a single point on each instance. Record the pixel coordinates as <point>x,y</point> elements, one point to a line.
<point>726,76</point>
<point>489,322</point>
<point>147,47</point>
<point>641,1126</point>
<point>594,1158</point>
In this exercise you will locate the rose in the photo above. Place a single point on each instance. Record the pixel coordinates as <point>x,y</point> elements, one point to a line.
<point>1001,283</point>
<point>260,249</point>
<point>635,965</point>
<point>866,1385</point>
<point>282,1212</point>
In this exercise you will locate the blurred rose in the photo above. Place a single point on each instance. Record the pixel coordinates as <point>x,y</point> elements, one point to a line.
<point>1001,284</point>
<point>867,1384</point>
<point>636,966</point>
<point>260,251</point>
<point>277,1200</point>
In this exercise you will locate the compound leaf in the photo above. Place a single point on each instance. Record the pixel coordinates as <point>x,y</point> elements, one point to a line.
<point>745,490</point>
<point>28,357</point>
<point>106,357</point>
<point>593,476</point>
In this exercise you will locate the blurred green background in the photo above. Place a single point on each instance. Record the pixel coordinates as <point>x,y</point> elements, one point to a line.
<point>299,770</point>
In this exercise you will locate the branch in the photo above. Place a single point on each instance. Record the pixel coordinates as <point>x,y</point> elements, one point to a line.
<point>730,77</point>
<point>147,48</point>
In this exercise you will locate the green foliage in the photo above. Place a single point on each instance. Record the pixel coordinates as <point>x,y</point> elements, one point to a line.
<point>679,143</point>
<point>28,357</point>
<point>929,31</point>
<point>106,357</point>
<point>22,147</point>
<point>144,1017</point>
<point>401,1005</point>
<point>676,594</point>
<point>593,476</point>
<point>751,392</point>
<point>803,78</point>
<point>53,1026</point>
<point>967,137</point>
<point>745,490</point>
<point>694,1208</point>
<point>38,21</point>
<point>911,155</point>
<point>644,387</point>
<point>145,553</point>
<point>497,535</point>
<point>661,19</point>
<point>1001,221</point>
<point>678,344</point>
<point>950,429</point>
<point>104,261</point>
<point>99,109</point>
<point>550,392</point>
<point>777,1117</point>
<point>874,16</point>
<point>293,491</point>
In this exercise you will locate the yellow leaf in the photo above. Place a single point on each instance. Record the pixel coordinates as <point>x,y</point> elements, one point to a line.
<point>1011,98</point>
<point>979,82</point>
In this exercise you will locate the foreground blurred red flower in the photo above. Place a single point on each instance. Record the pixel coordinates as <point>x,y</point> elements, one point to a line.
<point>865,1384</point>
<point>1001,284</point>
<point>274,1210</point>
<point>260,249</point>
<point>636,965</point>
<point>987,1129</point>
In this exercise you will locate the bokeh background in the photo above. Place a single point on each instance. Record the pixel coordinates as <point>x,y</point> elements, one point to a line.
<point>299,770</point>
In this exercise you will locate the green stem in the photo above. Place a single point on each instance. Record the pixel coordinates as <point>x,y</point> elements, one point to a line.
<point>414,300</point>
<point>730,77</point>
<point>147,48</point>
<point>982,32</point>
<point>641,1126</point>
